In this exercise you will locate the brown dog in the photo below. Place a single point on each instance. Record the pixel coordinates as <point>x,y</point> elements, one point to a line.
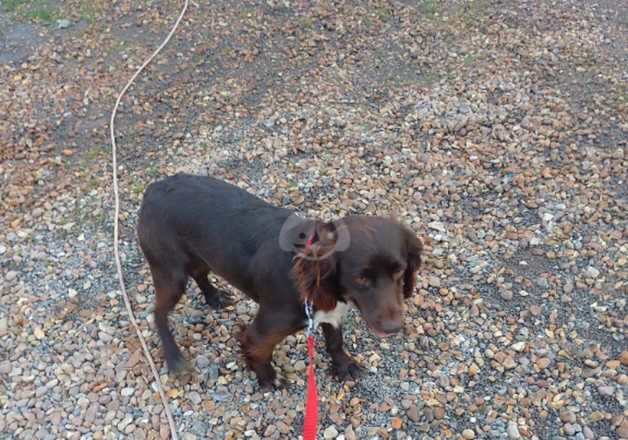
<point>194,225</point>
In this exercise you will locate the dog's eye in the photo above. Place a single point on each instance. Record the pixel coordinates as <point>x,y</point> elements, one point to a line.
<point>363,281</point>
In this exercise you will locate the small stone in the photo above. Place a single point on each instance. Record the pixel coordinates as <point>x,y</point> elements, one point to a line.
<point>591,363</point>
<point>506,294</point>
<point>195,398</point>
<point>3,325</point>
<point>613,365</point>
<point>519,346</point>
<point>125,422</point>
<point>513,431</point>
<point>202,362</point>
<point>438,226</point>
<point>623,358</point>
<point>72,293</point>
<point>535,310</point>
<point>330,432</point>
<point>569,429</point>
<point>11,275</point>
<point>588,433</point>
<point>434,282</point>
<point>439,413</point>
<point>3,249</point>
<point>606,390</point>
<point>39,333</point>
<point>299,365</point>
<point>63,23</point>
<point>468,434</point>
<point>90,414</point>
<point>479,266</point>
<point>127,391</point>
<point>473,369</point>
<point>396,423</point>
<point>568,287</point>
<point>413,413</point>
<point>509,363</point>
<point>592,272</point>
<point>543,363</point>
<point>567,416</point>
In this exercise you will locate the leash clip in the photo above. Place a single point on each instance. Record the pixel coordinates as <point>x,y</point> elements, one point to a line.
<point>309,313</point>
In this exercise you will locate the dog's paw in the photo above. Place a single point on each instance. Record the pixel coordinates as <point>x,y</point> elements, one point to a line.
<point>347,369</point>
<point>219,300</point>
<point>177,365</point>
<point>273,385</point>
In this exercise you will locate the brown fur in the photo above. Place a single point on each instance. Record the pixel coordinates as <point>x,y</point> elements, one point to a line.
<point>186,229</point>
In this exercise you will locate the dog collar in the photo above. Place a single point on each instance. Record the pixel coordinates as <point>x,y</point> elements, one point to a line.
<point>309,241</point>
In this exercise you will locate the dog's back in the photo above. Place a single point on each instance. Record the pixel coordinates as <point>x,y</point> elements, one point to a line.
<point>199,219</point>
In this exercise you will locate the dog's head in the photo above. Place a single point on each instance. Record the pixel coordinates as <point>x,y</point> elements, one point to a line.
<point>376,271</point>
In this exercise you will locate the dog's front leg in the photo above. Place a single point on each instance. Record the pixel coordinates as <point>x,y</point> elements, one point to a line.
<point>258,342</point>
<point>343,365</point>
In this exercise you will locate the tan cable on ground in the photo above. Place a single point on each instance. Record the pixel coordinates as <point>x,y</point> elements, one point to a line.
<point>116,237</point>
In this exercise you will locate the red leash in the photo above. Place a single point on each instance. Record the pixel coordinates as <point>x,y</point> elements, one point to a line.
<point>310,420</point>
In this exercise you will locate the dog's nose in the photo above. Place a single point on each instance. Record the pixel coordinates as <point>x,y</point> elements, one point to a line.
<point>391,326</point>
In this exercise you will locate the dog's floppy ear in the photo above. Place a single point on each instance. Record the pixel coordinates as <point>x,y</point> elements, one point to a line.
<point>314,273</point>
<point>413,260</point>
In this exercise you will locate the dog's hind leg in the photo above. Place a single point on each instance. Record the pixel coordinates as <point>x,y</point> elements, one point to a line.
<point>169,286</point>
<point>215,298</point>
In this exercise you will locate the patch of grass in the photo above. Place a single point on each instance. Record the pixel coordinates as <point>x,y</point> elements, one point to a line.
<point>39,11</point>
<point>383,13</point>
<point>429,6</point>
<point>472,11</point>
<point>91,184</point>
<point>40,14</point>
<point>47,11</point>
<point>90,10</point>
<point>468,60</point>
<point>12,5</point>
<point>307,24</point>
<point>138,188</point>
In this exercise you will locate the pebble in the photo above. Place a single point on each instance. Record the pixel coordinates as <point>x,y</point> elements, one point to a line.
<point>3,249</point>
<point>11,275</point>
<point>567,416</point>
<point>63,23</point>
<point>519,346</point>
<point>509,363</point>
<point>127,391</point>
<point>413,413</point>
<point>468,434</point>
<point>202,362</point>
<point>506,294</point>
<point>195,398</point>
<point>606,390</point>
<point>569,429</point>
<point>125,422</point>
<point>330,432</point>
<point>438,226</point>
<point>513,431</point>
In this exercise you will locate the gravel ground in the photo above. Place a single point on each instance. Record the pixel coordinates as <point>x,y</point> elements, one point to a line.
<point>496,130</point>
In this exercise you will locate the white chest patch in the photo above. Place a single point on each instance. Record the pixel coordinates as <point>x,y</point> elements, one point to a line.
<point>334,317</point>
